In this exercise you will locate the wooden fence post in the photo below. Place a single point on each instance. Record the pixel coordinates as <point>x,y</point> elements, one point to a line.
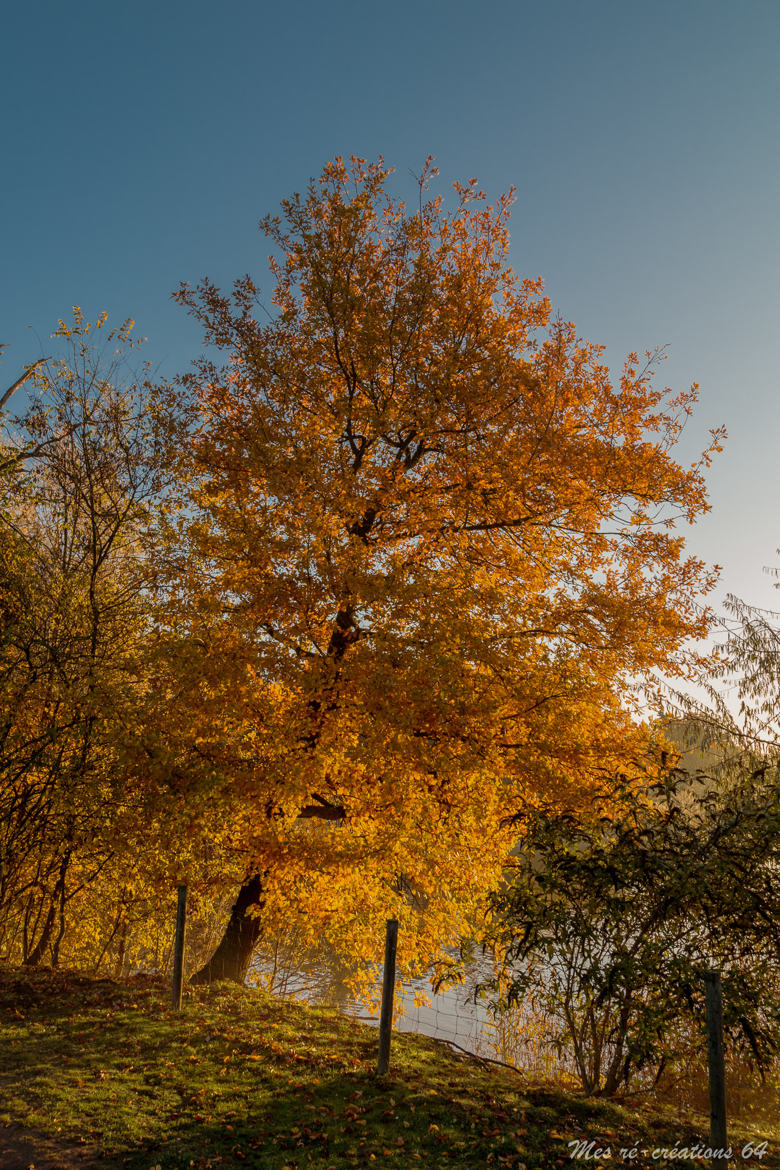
<point>178,948</point>
<point>388,988</point>
<point>717,1070</point>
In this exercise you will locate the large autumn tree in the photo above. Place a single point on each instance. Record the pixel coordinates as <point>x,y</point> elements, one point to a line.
<point>425,545</point>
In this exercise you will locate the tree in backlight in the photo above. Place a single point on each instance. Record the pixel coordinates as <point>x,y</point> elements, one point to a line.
<point>424,547</point>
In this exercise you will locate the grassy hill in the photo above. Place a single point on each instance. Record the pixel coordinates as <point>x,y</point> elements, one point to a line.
<point>95,1073</point>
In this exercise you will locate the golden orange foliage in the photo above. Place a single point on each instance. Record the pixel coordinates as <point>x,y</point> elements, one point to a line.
<point>424,546</point>
<point>90,837</point>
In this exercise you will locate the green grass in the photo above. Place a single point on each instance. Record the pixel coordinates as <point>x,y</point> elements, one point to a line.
<point>239,1079</point>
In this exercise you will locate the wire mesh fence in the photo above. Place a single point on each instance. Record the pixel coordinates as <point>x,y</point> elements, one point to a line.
<point>457,1015</point>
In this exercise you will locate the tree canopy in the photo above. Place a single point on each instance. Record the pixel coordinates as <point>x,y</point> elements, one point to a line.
<point>426,549</point>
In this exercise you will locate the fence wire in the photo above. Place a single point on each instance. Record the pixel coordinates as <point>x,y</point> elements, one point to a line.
<point>452,1015</point>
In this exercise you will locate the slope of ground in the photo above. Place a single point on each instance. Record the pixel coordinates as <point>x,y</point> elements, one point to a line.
<point>96,1073</point>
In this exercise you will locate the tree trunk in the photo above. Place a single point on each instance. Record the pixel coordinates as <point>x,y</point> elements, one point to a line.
<point>232,957</point>
<point>35,957</point>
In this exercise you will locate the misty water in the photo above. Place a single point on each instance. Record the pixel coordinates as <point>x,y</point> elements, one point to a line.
<point>452,1015</point>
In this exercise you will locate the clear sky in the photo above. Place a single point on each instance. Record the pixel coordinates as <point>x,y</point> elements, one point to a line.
<point>142,142</point>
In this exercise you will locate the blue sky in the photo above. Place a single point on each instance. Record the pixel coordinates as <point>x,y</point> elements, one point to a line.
<point>142,143</point>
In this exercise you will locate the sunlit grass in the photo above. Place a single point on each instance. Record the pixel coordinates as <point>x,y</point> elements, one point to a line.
<point>241,1079</point>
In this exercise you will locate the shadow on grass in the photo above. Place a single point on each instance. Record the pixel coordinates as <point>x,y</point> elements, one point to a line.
<point>110,1074</point>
